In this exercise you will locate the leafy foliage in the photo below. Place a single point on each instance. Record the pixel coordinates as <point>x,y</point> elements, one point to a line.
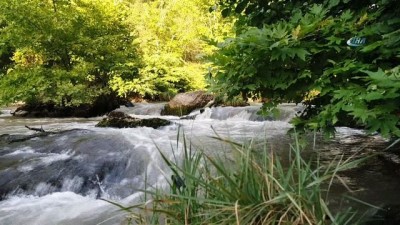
<point>70,52</point>
<point>172,37</point>
<point>284,57</point>
<point>65,51</point>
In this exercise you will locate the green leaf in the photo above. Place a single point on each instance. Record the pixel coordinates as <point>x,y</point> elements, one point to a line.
<point>226,12</point>
<point>371,47</point>
<point>373,96</point>
<point>241,6</point>
<point>301,53</point>
<point>333,3</point>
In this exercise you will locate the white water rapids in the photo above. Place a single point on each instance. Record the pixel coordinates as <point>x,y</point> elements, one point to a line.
<point>59,179</point>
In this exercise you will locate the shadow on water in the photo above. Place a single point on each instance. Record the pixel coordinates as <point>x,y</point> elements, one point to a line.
<point>375,182</point>
<point>372,188</point>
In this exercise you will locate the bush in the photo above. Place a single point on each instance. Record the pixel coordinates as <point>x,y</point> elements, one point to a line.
<point>286,50</point>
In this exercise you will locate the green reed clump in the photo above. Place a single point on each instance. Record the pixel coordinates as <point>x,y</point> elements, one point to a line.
<point>252,188</point>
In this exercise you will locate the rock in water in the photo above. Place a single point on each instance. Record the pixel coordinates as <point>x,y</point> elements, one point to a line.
<point>184,103</point>
<point>129,104</point>
<point>119,119</point>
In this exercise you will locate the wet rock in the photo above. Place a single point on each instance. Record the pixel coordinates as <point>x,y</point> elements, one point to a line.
<point>129,104</point>
<point>102,105</point>
<point>119,119</point>
<point>188,117</point>
<point>118,114</point>
<point>13,138</point>
<point>184,103</point>
<point>20,113</point>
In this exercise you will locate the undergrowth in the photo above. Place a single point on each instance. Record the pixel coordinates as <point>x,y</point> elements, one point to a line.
<point>253,188</point>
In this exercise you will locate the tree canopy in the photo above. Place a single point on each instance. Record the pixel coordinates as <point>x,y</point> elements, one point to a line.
<point>340,58</point>
<point>64,52</point>
<point>173,37</point>
<point>70,52</point>
<point>296,51</point>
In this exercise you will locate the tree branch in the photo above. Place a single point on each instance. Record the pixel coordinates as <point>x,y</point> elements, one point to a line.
<point>36,129</point>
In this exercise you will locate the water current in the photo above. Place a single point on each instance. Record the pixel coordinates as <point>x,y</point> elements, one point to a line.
<point>60,178</point>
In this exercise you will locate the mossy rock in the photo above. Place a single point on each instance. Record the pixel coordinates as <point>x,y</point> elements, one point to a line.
<point>180,111</point>
<point>118,119</point>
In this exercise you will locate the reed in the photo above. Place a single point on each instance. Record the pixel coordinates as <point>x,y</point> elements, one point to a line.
<point>253,188</point>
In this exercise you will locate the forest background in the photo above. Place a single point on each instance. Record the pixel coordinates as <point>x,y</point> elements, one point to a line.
<point>72,52</point>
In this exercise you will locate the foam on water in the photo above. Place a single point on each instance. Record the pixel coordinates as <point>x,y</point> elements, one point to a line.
<point>44,160</point>
<point>48,206</point>
<point>65,208</point>
<point>23,151</point>
<point>5,113</point>
<point>114,163</point>
<point>151,109</point>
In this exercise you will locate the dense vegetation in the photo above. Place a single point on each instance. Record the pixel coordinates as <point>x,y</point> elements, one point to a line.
<point>296,51</point>
<point>174,38</point>
<point>70,52</point>
<point>73,52</point>
<point>63,52</point>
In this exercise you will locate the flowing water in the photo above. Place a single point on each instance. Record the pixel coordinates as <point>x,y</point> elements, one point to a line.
<point>60,178</point>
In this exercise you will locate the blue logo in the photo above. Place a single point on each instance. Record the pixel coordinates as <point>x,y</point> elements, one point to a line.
<point>356,41</point>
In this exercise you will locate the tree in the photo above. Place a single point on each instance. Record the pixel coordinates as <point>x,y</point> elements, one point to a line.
<point>5,49</point>
<point>287,50</point>
<point>65,52</point>
<point>172,36</point>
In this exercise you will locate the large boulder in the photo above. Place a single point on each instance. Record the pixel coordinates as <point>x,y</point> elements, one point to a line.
<point>119,119</point>
<point>184,103</point>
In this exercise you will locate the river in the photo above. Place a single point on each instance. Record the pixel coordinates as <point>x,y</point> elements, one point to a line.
<point>60,178</point>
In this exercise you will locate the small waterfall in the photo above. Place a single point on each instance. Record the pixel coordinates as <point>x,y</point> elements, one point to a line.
<point>59,178</point>
<point>251,113</point>
<point>74,169</point>
<point>69,171</point>
<point>108,163</point>
<point>148,109</point>
<point>5,113</point>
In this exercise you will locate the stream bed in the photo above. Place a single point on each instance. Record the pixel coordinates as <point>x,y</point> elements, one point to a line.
<point>60,178</point>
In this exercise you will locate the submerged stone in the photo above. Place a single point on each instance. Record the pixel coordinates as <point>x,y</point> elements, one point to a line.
<point>119,119</point>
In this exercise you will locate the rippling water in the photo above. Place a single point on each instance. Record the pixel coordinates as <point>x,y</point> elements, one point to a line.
<point>59,178</point>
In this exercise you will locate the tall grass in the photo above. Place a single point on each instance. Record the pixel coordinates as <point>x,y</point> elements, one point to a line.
<point>253,188</point>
